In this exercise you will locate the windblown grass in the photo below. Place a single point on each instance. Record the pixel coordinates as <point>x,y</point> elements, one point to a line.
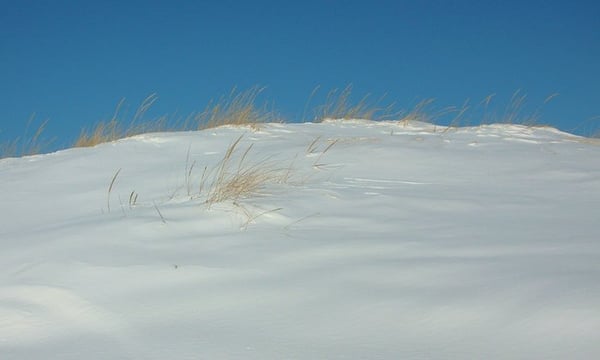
<point>339,105</point>
<point>102,132</point>
<point>485,112</point>
<point>515,112</point>
<point>236,179</point>
<point>232,180</point>
<point>237,109</point>
<point>116,128</point>
<point>28,144</point>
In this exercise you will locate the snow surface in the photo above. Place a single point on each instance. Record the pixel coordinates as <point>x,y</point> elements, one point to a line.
<point>401,241</point>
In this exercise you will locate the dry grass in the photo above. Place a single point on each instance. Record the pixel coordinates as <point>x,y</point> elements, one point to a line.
<point>483,113</point>
<point>102,132</point>
<point>590,126</point>
<point>233,179</point>
<point>339,105</point>
<point>27,144</point>
<point>110,187</point>
<point>236,179</point>
<point>114,129</point>
<point>237,109</point>
<point>421,113</point>
<point>312,147</point>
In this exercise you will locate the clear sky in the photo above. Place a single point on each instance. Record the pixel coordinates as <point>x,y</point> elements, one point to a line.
<point>72,61</point>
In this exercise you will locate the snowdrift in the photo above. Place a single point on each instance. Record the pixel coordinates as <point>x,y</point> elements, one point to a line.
<point>357,239</point>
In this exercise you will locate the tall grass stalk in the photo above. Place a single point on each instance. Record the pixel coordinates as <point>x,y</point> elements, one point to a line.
<point>110,187</point>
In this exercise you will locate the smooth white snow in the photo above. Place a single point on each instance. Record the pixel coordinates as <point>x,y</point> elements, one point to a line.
<point>401,241</point>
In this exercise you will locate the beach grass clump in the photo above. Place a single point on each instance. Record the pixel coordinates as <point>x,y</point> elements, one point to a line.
<point>238,108</point>
<point>116,128</point>
<point>338,105</point>
<point>101,133</point>
<point>235,178</point>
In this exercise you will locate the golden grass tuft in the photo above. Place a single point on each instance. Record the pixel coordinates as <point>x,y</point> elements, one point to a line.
<point>102,132</point>
<point>114,129</point>
<point>232,181</point>
<point>339,105</point>
<point>236,109</point>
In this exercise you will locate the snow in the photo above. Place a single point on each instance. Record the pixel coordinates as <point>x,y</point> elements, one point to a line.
<point>399,241</point>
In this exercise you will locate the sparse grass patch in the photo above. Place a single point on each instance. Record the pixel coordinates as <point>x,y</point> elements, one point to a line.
<point>115,129</point>
<point>9,149</point>
<point>339,105</point>
<point>102,132</point>
<point>314,146</point>
<point>237,109</point>
<point>232,181</point>
<point>483,113</point>
<point>421,113</point>
<point>28,144</point>
<point>590,126</point>
<point>237,177</point>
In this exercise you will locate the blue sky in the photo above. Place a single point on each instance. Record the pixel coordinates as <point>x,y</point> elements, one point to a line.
<point>72,61</point>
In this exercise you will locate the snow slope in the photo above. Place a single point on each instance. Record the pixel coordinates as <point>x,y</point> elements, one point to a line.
<point>399,241</point>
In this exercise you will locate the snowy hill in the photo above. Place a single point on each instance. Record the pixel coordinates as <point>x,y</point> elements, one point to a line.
<point>352,239</point>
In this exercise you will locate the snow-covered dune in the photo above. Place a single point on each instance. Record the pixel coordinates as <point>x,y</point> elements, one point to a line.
<point>372,240</point>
